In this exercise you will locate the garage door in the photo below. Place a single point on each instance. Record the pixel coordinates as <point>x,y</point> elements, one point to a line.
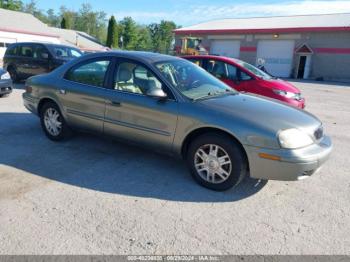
<point>225,48</point>
<point>277,55</point>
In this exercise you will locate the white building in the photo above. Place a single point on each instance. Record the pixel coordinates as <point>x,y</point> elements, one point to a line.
<point>302,46</point>
<point>23,27</point>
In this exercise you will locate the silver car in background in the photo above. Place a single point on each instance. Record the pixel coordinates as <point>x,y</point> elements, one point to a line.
<point>5,83</point>
<point>171,105</point>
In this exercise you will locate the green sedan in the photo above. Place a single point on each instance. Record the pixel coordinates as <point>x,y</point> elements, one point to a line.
<point>171,105</point>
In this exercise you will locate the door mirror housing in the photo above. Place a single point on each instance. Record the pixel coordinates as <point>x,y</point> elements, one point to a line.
<point>156,93</point>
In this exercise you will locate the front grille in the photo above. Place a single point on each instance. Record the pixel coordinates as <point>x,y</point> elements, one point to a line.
<point>3,89</point>
<point>318,134</point>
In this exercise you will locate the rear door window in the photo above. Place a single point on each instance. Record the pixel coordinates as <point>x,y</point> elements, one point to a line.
<point>217,69</point>
<point>90,73</point>
<point>232,72</point>
<point>27,51</point>
<point>40,52</point>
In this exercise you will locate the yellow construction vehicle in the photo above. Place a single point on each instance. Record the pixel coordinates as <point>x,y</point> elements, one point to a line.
<point>192,46</point>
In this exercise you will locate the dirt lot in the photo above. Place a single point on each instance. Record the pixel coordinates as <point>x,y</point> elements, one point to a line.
<point>93,196</point>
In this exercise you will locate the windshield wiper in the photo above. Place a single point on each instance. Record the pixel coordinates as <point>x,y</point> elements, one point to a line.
<point>217,93</point>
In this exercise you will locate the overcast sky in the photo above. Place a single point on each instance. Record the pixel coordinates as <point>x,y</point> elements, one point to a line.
<point>188,12</point>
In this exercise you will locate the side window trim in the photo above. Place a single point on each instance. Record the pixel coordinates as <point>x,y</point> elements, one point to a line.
<point>92,60</point>
<point>119,60</point>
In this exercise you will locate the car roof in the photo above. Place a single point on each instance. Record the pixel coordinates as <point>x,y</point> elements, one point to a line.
<point>147,57</point>
<point>214,57</point>
<point>43,43</point>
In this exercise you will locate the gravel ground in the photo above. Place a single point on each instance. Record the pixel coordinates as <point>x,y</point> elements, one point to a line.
<point>90,195</point>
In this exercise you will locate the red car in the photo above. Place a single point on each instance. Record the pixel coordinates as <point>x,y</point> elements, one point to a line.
<point>245,77</point>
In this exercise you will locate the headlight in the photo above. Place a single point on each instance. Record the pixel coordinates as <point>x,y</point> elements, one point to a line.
<point>5,76</point>
<point>294,138</point>
<point>285,93</point>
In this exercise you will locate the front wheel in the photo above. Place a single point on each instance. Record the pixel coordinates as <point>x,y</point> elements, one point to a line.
<point>216,161</point>
<point>53,123</point>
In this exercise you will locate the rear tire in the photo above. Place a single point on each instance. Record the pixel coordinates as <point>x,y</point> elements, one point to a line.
<point>53,122</point>
<point>216,161</point>
<point>13,74</point>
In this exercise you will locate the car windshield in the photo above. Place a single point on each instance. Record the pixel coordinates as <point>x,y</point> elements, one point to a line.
<point>254,70</point>
<point>191,80</point>
<point>65,52</point>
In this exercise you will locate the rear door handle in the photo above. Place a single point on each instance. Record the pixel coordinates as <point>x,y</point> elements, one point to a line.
<point>62,91</point>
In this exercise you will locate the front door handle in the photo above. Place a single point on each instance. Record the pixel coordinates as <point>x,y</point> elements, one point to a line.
<point>62,91</point>
<point>115,103</point>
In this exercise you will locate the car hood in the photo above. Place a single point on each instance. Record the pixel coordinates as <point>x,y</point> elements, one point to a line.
<point>261,112</point>
<point>280,84</point>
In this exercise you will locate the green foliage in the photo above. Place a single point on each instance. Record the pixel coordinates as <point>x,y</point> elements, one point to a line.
<point>162,36</point>
<point>69,17</point>
<point>112,33</point>
<point>127,34</point>
<point>14,5</point>
<point>144,40</point>
<point>53,19</point>
<point>64,23</point>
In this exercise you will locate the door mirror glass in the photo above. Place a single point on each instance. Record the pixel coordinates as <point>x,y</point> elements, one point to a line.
<point>156,93</point>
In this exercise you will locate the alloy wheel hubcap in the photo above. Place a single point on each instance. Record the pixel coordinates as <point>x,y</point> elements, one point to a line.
<point>53,123</point>
<point>213,163</point>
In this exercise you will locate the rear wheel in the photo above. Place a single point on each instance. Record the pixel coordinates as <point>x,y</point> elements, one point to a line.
<point>13,74</point>
<point>53,123</point>
<point>216,161</point>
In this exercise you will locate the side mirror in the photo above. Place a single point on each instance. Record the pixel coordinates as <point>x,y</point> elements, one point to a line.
<point>156,93</point>
<point>45,56</point>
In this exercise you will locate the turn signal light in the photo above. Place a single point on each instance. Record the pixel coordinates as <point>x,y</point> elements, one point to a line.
<point>270,157</point>
<point>29,89</point>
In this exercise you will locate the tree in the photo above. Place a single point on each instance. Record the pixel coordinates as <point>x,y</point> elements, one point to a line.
<point>112,33</point>
<point>14,5</point>
<point>30,7</point>
<point>53,19</point>
<point>129,33</point>
<point>93,23</point>
<point>167,35</point>
<point>64,23</point>
<point>154,37</point>
<point>69,17</point>
<point>162,36</point>
<point>144,40</point>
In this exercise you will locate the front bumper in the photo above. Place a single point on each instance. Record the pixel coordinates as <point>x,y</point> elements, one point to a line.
<point>30,103</point>
<point>5,86</point>
<point>294,164</point>
<point>300,103</point>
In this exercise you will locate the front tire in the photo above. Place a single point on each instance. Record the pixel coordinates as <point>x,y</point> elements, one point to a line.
<point>53,123</point>
<point>216,161</point>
